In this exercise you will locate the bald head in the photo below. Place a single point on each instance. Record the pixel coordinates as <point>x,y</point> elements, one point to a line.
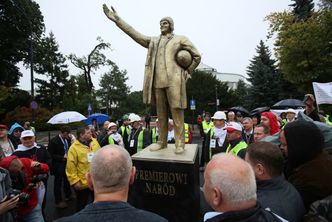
<point>233,178</point>
<point>110,169</point>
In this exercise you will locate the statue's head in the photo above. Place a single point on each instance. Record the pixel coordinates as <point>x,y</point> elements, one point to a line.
<point>170,23</point>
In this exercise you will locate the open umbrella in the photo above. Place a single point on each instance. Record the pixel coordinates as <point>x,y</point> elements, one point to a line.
<point>100,117</point>
<point>288,103</point>
<point>66,117</point>
<point>240,109</point>
<point>259,110</point>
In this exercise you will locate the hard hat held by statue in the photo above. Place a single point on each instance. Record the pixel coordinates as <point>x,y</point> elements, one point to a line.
<point>170,61</point>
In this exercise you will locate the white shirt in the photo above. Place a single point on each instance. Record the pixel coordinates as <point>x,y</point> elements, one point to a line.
<point>220,135</point>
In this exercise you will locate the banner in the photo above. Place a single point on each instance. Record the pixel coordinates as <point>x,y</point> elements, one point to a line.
<point>323,92</point>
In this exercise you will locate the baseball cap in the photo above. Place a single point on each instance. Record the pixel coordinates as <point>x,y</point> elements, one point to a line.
<point>3,126</point>
<point>27,133</point>
<point>219,115</point>
<point>233,126</point>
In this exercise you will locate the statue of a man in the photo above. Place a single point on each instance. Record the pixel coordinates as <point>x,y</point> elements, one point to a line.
<point>165,76</point>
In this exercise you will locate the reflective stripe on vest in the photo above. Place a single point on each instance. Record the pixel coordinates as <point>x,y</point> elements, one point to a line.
<point>186,133</point>
<point>207,127</point>
<point>154,135</point>
<point>240,146</point>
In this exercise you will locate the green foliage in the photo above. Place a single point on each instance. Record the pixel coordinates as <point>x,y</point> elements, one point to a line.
<point>303,48</point>
<point>51,64</point>
<point>302,9</point>
<point>264,79</point>
<point>240,95</point>
<point>113,88</point>
<point>77,98</point>
<point>16,98</point>
<point>21,23</point>
<point>91,63</point>
<point>133,103</point>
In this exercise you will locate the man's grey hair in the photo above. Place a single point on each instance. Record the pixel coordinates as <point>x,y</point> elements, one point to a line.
<point>170,21</point>
<point>110,169</point>
<point>234,190</point>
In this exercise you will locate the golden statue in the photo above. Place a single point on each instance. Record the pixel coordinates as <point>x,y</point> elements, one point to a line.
<point>170,60</point>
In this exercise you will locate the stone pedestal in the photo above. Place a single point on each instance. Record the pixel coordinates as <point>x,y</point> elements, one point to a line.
<point>167,183</point>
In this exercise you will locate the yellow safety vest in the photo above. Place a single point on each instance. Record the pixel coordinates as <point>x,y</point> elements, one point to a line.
<point>123,128</point>
<point>154,135</point>
<point>207,127</point>
<point>240,146</point>
<point>186,133</point>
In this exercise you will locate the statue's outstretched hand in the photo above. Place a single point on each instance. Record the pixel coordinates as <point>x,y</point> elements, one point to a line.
<point>111,14</point>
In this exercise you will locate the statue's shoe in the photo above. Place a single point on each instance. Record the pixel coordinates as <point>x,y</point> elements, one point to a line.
<point>179,150</point>
<point>157,146</point>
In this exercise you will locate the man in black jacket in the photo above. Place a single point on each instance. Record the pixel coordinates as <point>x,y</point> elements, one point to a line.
<point>58,147</point>
<point>273,190</point>
<point>230,189</point>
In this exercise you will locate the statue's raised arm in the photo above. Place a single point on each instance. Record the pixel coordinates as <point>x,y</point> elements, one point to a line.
<point>138,37</point>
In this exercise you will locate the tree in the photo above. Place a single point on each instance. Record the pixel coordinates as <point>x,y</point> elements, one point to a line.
<point>264,78</point>
<point>241,94</point>
<point>113,86</point>
<point>302,9</point>
<point>51,64</point>
<point>91,63</point>
<point>303,48</point>
<point>133,103</point>
<point>21,24</point>
<point>15,98</point>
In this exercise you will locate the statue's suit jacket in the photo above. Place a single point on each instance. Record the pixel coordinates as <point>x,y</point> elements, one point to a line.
<point>176,74</point>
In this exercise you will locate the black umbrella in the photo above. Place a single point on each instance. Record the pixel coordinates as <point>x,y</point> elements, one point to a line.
<point>288,103</point>
<point>259,110</point>
<point>240,109</point>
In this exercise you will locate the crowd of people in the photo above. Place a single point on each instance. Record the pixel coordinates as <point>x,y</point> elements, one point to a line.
<point>259,168</point>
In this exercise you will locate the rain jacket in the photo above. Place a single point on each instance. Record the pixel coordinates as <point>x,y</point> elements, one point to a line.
<point>77,161</point>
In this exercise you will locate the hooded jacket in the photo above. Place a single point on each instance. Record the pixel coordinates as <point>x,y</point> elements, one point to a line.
<point>308,167</point>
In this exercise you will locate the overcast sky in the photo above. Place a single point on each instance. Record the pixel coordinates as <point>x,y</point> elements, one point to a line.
<point>225,32</point>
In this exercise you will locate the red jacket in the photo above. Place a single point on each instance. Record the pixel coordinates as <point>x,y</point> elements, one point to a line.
<point>33,199</point>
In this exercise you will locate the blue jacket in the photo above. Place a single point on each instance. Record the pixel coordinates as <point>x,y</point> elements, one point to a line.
<point>112,211</point>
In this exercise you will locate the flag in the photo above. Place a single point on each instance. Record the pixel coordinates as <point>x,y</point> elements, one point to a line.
<point>323,92</point>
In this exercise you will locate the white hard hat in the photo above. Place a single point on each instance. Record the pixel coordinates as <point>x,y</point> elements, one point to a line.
<point>290,110</point>
<point>134,118</point>
<point>111,124</point>
<point>170,121</point>
<point>131,115</point>
<point>219,115</point>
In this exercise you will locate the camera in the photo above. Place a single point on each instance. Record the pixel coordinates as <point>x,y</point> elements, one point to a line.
<point>39,177</point>
<point>22,198</point>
